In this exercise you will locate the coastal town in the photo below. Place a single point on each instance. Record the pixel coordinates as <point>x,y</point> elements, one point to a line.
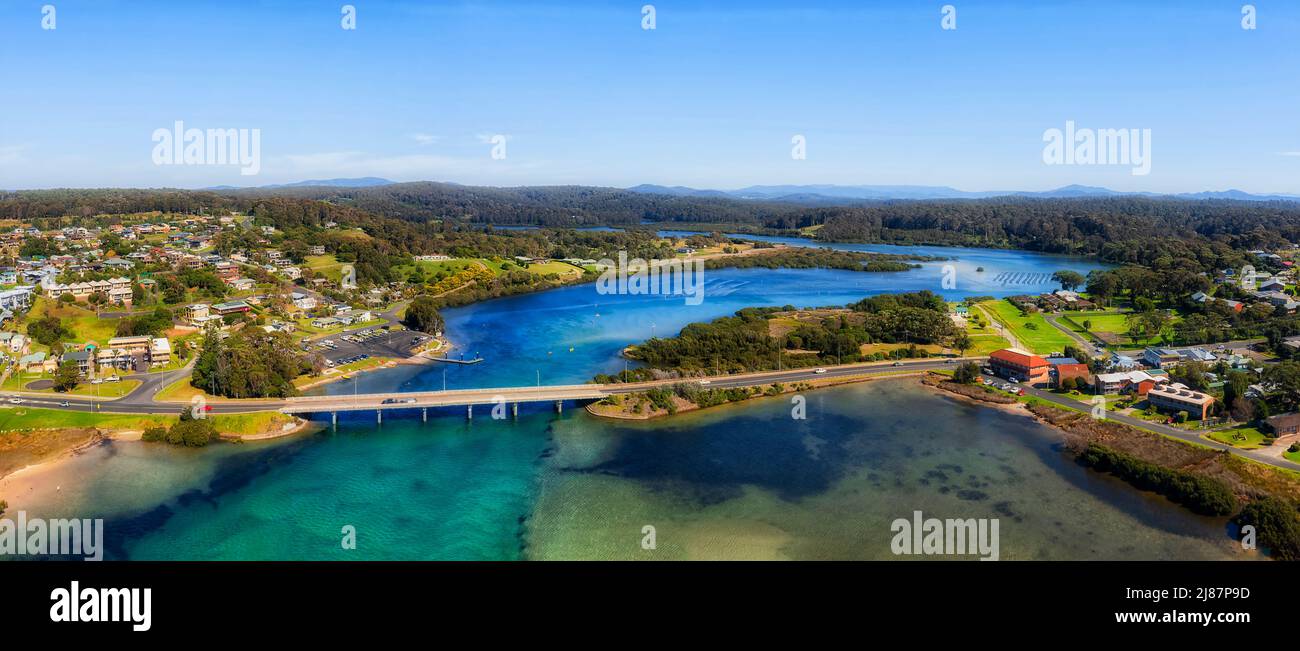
<point>1177,366</point>
<point>92,311</point>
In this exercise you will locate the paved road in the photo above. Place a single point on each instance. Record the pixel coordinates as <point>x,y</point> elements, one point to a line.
<point>1191,437</point>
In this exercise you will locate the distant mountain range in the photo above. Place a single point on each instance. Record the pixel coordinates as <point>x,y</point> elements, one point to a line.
<point>364,182</point>
<point>831,195</point>
<point>840,194</point>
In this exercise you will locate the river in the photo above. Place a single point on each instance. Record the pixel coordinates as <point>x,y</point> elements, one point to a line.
<point>744,481</point>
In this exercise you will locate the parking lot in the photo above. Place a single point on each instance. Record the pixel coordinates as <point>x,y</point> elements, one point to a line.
<point>350,347</point>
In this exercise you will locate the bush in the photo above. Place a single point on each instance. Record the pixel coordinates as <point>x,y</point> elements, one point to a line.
<point>1277,526</point>
<point>1201,494</point>
<point>154,434</point>
<point>968,373</point>
<point>189,432</point>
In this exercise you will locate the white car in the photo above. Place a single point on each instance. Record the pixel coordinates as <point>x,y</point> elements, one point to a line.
<point>819,371</point>
<point>704,382</point>
<point>113,378</point>
<point>16,401</point>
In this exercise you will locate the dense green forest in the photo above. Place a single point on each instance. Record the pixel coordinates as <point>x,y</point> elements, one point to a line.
<point>745,342</point>
<point>433,217</point>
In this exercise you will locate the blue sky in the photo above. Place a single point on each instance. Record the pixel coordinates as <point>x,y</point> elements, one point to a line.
<point>710,98</point>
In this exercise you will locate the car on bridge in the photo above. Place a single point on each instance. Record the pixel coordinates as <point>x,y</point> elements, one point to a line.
<point>399,401</point>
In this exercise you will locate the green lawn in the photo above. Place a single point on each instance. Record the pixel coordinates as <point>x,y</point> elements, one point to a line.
<point>1293,456</point>
<point>1111,323</point>
<point>1247,438</point>
<point>19,417</point>
<point>450,267</point>
<point>985,344</point>
<point>326,265</point>
<point>83,323</point>
<point>1033,331</point>
<point>560,268</point>
<point>32,418</point>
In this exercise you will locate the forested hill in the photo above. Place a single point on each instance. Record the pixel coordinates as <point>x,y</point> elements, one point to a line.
<point>1139,230</point>
<point>1113,227</point>
<point>565,205</point>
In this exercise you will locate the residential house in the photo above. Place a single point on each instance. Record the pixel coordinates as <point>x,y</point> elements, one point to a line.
<point>231,307</point>
<point>197,311</point>
<point>1137,382</point>
<point>1284,424</point>
<point>1062,369</point>
<point>85,360</point>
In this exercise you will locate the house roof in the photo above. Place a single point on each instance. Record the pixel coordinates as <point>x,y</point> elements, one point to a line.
<point>1017,356</point>
<point>1283,420</point>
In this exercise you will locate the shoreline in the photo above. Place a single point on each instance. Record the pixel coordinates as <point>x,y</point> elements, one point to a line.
<point>684,406</point>
<point>99,436</point>
<point>1246,479</point>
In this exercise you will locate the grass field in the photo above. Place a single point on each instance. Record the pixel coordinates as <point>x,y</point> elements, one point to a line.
<point>83,323</point>
<point>326,265</point>
<point>32,418</point>
<point>1034,332</point>
<point>985,344</point>
<point>181,391</point>
<point>560,268</point>
<point>1247,438</point>
<point>18,418</point>
<point>450,267</point>
<point>1294,456</point>
<point>1109,323</point>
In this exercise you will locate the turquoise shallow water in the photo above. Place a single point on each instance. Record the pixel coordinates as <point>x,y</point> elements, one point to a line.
<point>736,482</point>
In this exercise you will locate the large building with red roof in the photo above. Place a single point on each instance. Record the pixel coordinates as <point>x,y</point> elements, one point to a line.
<point>1016,364</point>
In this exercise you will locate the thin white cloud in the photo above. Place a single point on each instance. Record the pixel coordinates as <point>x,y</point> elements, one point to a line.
<point>1288,153</point>
<point>425,139</point>
<point>10,154</point>
<point>411,167</point>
